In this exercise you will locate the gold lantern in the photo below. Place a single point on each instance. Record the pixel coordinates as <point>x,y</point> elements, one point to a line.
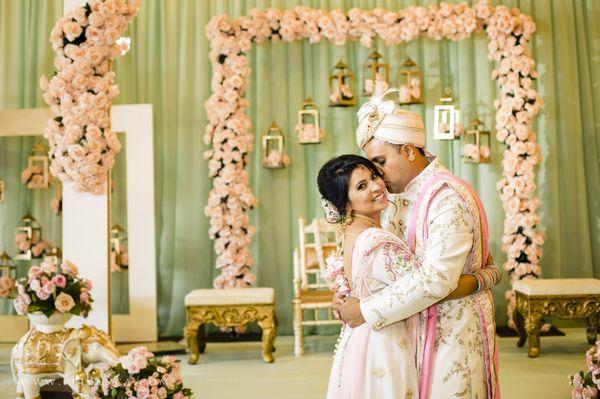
<point>53,255</point>
<point>410,83</point>
<point>27,235</point>
<point>118,248</point>
<point>2,194</point>
<point>342,84</point>
<point>37,165</point>
<point>274,156</point>
<point>308,128</point>
<point>7,266</point>
<point>446,122</point>
<point>477,143</point>
<point>377,72</point>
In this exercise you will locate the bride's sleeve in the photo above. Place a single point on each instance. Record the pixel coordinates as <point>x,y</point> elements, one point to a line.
<point>450,238</point>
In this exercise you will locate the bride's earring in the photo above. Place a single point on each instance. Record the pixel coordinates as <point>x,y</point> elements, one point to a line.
<point>347,218</point>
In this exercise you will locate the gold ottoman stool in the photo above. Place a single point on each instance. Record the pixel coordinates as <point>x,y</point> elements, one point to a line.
<point>230,308</point>
<point>566,298</point>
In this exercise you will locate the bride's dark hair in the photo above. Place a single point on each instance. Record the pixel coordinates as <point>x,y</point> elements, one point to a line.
<point>334,178</point>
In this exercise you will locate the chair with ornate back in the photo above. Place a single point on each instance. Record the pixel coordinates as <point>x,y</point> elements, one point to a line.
<point>311,292</point>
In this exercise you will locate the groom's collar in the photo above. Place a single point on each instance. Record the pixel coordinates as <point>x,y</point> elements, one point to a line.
<point>413,188</point>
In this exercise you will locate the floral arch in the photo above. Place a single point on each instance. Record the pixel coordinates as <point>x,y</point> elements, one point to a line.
<point>229,128</point>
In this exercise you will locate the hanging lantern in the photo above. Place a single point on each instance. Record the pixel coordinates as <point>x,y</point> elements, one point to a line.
<point>274,156</point>
<point>119,259</point>
<point>410,83</point>
<point>446,122</point>
<point>8,275</point>
<point>53,255</point>
<point>377,74</point>
<point>37,175</point>
<point>477,143</point>
<point>342,85</point>
<point>56,201</point>
<point>28,239</point>
<point>308,129</point>
<point>2,192</point>
<point>7,266</point>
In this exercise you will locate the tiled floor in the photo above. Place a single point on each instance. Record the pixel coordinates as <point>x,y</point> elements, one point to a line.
<point>237,371</point>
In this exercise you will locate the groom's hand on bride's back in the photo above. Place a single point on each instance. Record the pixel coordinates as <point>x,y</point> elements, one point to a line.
<point>349,310</point>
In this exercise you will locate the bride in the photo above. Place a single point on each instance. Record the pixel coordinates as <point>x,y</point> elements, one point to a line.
<point>370,363</point>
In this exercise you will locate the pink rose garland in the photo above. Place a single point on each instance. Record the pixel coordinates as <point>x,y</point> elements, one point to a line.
<point>80,94</point>
<point>228,130</point>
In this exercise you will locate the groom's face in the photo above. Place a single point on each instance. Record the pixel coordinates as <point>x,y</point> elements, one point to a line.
<point>392,162</point>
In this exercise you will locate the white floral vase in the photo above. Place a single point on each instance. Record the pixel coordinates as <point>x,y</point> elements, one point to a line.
<point>45,324</point>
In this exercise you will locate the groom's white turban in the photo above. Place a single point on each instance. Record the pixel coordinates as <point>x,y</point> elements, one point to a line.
<point>384,120</point>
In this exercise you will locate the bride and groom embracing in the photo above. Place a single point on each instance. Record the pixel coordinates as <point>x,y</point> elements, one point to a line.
<point>414,275</point>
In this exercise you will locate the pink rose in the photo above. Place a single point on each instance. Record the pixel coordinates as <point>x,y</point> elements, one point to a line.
<point>41,294</point>
<point>72,30</point>
<point>60,280</point>
<point>84,296</point>
<point>69,269</point>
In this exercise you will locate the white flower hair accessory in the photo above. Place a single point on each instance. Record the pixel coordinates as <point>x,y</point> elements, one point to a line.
<point>332,214</point>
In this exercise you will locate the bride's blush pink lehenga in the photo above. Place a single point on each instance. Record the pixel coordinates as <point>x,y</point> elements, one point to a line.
<point>369,363</point>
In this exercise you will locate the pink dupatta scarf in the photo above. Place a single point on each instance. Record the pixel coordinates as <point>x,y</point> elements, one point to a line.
<point>353,377</point>
<point>440,179</point>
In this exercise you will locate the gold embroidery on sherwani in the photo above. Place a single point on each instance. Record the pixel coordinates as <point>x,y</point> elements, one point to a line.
<point>378,373</point>
<point>462,371</point>
<point>403,343</point>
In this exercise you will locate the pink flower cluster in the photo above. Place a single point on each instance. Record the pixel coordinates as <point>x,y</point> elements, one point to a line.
<point>307,133</point>
<point>33,177</point>
<point>35,244</point>
<point>586,383</point>
<point>49,290</point>
<point>379,85</point>
<point>518,102</point>
<point>80,94</point>
<point>409,92</point>
<point>276,159</point>
<point>517,105</point>
<point>471,151</point>
<point>56,202</point>
<point>343,92</point>
<point>335,276</point>
<point>138,375</point>
<point>120,261</point>
<point>7,286</point>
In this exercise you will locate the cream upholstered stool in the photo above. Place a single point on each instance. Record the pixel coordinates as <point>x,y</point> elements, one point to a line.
<point>230,308</point>
<point>566,298</point>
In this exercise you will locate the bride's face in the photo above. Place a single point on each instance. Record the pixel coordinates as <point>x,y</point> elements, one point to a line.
<point>366,192</point>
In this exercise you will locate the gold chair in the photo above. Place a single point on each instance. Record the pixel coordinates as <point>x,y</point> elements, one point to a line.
<point>312,295</point>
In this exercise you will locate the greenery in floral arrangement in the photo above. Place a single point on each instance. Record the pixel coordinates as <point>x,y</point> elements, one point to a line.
<point>138,374</point>
<point>49,289</point>
<point>586,383</point>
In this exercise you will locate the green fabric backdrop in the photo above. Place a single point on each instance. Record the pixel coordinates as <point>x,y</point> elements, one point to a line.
<point>168,66</point>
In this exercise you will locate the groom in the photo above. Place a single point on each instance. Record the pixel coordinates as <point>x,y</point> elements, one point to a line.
<point>443,221</point>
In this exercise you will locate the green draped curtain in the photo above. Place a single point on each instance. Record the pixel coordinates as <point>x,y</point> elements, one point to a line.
<point>168,66</point>
<point>25,54</point>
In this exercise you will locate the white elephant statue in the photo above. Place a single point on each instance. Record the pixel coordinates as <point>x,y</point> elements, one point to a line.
<point>40,358</point>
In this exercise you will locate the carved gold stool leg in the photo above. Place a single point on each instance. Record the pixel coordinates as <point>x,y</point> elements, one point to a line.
<point>533,322</point>
<point>592,328</point>
<point>269,331</point>
<point>520,324</point>
<point>191,335</point>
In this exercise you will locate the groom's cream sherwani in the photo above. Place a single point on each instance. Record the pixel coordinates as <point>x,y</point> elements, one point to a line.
<point>449,242</point>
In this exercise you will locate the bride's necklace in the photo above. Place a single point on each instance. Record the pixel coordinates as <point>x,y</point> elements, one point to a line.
<point>365,219</point>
